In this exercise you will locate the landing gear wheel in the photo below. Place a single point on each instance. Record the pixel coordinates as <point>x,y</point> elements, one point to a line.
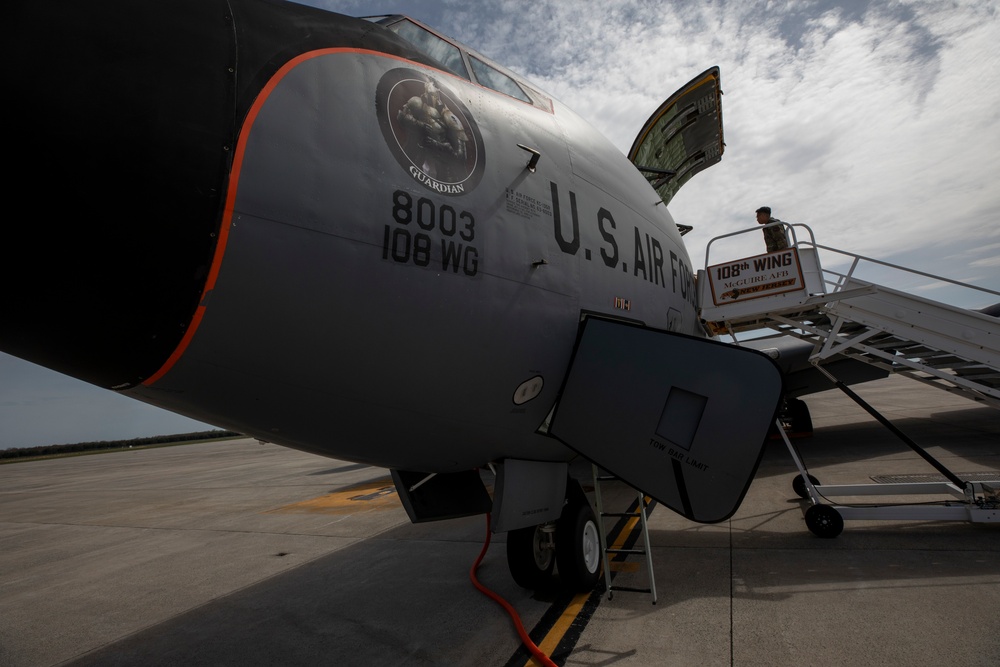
<point>578,546</point>
<point>799,485</point>
<point>796,416</point>
<point>530,556</point>
<point>824,521</point>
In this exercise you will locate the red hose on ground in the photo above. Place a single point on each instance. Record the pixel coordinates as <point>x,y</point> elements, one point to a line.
<point>531,646</point>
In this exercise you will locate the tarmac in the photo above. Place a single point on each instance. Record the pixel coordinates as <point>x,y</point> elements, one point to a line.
<point>240,553</point>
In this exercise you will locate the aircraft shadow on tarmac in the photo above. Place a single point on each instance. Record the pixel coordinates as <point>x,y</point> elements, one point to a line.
<point>348,468</point>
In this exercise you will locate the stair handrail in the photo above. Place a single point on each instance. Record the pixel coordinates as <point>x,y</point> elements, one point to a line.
<point>857,259</point>
<point>790,230</point>
<point>789,227</point>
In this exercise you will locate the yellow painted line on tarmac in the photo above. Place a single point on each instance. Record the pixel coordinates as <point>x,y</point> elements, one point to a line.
<point>561,626</point>
<point>373,496</point>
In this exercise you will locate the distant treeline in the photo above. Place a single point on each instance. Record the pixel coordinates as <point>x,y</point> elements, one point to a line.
<point>56,450</point>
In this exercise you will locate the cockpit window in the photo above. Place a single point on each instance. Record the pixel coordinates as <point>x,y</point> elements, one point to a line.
<point>450,55</point>
<point>497,80</point>
<point>445,53</point>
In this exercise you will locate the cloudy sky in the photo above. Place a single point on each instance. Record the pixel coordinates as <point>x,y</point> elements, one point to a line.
<point>875,123</point>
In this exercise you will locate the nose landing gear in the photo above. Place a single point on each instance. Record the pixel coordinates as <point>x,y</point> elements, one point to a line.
<point>572,544</point>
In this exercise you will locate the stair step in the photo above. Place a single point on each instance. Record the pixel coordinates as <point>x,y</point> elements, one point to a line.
<point>631,589</point>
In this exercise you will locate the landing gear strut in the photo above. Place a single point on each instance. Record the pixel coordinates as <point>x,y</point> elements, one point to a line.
<point>531,555</point>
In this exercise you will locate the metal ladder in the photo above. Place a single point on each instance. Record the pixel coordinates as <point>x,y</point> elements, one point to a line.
<point>640,514</point>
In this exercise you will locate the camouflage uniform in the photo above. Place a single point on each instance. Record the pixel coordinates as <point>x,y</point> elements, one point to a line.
<point>775,237</point>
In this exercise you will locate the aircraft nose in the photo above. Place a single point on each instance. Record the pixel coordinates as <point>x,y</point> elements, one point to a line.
<point>124,119</point>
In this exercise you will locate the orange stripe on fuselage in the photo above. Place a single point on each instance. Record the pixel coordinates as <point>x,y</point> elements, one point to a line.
<point>234,179</point>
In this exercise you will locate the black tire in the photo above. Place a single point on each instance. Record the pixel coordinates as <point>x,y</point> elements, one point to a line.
<point>799,485</point>
<point>824,521</point>
<point>797,417</point>
<point>530,558</point>
<point>578,547</point>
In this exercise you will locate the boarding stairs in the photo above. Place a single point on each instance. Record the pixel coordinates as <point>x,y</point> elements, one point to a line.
<point>788,291</point>
<point>843,316</point>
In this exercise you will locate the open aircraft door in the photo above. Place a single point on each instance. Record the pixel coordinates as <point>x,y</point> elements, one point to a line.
<point>679,418</point>
<point>682,137</point>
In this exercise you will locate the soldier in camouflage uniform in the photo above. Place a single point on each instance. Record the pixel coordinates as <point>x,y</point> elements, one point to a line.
<point>774,237</point>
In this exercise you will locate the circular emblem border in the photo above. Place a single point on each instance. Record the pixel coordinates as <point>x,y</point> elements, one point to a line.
<point>459,174</point>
